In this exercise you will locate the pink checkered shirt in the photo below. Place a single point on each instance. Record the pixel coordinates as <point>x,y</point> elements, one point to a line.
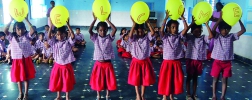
<point>79,37</point>
<point>103,49</point>
<point>39,45</point>
<point>62,50</point>
<point>47,52</point>
<point>196,47</point>
<point>223,46</point>
<point>46,35</point>
<point>172,46</point>
<point>125,45</point>
<point>33,49</point>
<point>2,46</point>
<point>140,47</point>
<point>22,48</point>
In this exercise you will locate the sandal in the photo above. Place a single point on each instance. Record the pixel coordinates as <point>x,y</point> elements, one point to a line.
<point>20,97</point>
<point>25,97</point>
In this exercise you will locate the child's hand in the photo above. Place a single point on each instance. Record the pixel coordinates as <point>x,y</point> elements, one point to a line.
<point>183,13</point>
<point>68,21</point>
<point>132,20</point>
<point>95,18</point>
<point>167,14</point>
<point>108,17</point>
<point>193,20</point>
<point>207,23</point>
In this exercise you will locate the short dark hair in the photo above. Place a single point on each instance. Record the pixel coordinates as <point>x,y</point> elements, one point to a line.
<point>77,28</point>
<point>61,29</point>
<point>224,25</point>
<point>46,25</point>
<point>101,24</point>
<point>194,26</point>
<point>41,33</point>
<point>139,26</point>
<point>172,22</point>
<point>52,2</point>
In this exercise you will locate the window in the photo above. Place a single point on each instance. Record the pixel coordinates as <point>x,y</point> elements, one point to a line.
<point>38,9</point>
<point>212,3</point>
<point>6,13</point>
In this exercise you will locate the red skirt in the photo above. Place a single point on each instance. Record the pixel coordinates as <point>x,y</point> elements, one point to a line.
<point>22,70</point>
<point>126,55</point>
<point>62,78</point>
<point>103,76</point>
<point>209,55</point>
<point>120,50</point>
<point>171,78</point>
<point>141,72</point>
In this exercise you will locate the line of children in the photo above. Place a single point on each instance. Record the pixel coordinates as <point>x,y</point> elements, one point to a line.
<point>139,45</point>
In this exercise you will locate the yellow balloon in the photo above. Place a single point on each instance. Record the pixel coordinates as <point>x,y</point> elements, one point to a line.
<point>231,13</point>
<point>101,9</point>
<point>140,12</point>
<point>59,15</point>
<point>176,8</point>
<point>202,12</point>
<point>18,10</point>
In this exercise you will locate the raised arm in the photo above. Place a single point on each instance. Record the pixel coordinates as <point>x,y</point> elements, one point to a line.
<point>50,30</point>
<point>112,26</point>
<point>190,26</point>
<point>6,29</point>
<point>215,26</point>
<point>150,27</point>
<point>163,24</point>
<point>243,29</point>
<point>30,25</point>
<point>209,30</point>
<point>132,28</point>
<point>185,25</point>
<point>92,25</point>
<point>70,29</point>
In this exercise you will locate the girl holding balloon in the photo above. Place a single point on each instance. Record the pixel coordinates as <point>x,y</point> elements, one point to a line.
<point>171,75</point>
<point>62,75</point>
<point>22,69</point>
<point>141,72</point>
<point>196,52</point>
<point>103,75</point>
<point>223,52</point>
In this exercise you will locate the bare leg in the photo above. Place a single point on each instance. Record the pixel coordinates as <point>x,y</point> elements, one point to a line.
<point>188,84</point>
<point>67,96</point>
<point>195,83</point>
<point>26,84</point>
<point>58,96</point>
<point>142,92</point>
<point>98,95</point>
<point>224,87</point>
<point>107,93</point>
<point>137,93</point>
<point>164,97</point>
<point>20,90</point>
<point>214,87</point>
<point>171,97</point>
